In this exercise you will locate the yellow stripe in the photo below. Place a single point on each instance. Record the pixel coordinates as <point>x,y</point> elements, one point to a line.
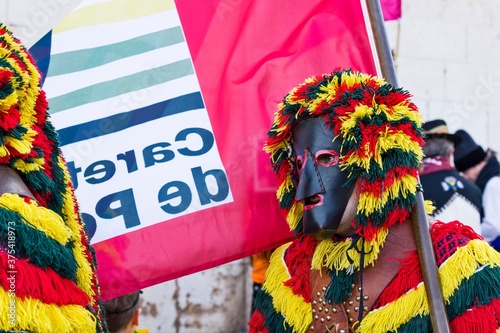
<point>334,255</point>
<point>390,317</point>
<point>401,111</point>
<point>112,11</point>
<point>370,203</point>
<point>36,164</point>
<point>464,262</point>
<point>40,218</point>
<point>84,273</point>
<point>296,311</point>
<point>295,214</point>
<point>459,267</point>
<point>23,145</point>
<point>35,316</point>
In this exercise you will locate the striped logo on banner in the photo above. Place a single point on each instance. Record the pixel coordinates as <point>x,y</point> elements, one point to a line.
<point>127,105</point>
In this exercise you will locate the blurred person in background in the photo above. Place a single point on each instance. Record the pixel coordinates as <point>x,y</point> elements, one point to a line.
<point>454,197</point>
<point>122,313</point>
<point>482,168</point>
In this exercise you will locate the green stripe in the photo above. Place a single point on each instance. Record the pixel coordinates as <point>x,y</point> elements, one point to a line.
<point>34,245</point>
<point>122,85</point>
<point>274,321</point>
<point>478,290</point>
<point>418,324</point>
<point>64,63</point>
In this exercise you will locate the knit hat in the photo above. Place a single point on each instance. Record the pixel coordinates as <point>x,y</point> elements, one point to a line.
<point>438,129</point>
<point>467,154</point>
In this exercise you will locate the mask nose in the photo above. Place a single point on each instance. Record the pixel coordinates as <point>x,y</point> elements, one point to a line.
<point>310,182</point>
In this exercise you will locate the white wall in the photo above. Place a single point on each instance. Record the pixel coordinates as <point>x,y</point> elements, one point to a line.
<point>449,59</point>
<point>215,301</point>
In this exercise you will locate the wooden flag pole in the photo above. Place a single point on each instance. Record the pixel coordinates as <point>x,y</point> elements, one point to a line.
<point>419,216</point>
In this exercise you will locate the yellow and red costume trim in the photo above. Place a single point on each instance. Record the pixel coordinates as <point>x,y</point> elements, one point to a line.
<point>45,251</point>
<point>469,270</point>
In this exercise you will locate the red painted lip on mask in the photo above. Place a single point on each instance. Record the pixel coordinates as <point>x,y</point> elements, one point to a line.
<point>316,202</point>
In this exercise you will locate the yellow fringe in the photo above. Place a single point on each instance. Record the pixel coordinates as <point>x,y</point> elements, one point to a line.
<point>401,111</point>
<point>464,262</point>
<point>370,203</point>
<point>8,101</point>
<point>35,164</point>
<point>23,145</point>
<point>84,273</point>
<point>334,255</point>
<point>429,207</point>
<point>295,214</point>
<point>4,151</point>
<point>390,140</point>
<point>400,311</point>
<point>39,217</point>
<point>35,316</point>
<point>296,311</point>
<point>285,187</point>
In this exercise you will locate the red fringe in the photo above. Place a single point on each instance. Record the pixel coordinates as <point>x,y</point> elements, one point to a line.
<point>256,323</point>
<point>9,119</point>
<point>397,215</point>
<point>45,285</point>
<point>483,319</point>
<point>440,230</point>
<point>298,259</point>
<point>392,98</point>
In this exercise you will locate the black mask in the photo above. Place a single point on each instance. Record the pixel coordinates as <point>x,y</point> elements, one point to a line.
<point>320,182</point>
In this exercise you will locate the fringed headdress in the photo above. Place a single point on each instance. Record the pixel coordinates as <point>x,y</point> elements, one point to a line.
<point>57,288</point>
<point>381,135</point>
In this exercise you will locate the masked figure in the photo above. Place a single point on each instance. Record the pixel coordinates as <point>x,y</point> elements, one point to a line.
<point>48,269</point>
<point>347,148</point>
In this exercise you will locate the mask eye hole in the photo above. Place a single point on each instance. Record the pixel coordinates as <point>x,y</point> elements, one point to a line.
<point>300,163</point>
<point>327,158</point>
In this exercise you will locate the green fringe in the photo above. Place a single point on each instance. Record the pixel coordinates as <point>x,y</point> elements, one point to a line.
<point>286,201</point>
<point>274,322</point>
<point>39,182</point>
<point>340,287</point>
<point>34,245</point>
<point>419,324</point>
<point>300,228</point>
<point>478,290</point>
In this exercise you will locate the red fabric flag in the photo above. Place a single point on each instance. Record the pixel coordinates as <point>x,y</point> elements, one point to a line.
<point>391,9</point>
<point>247,55</point>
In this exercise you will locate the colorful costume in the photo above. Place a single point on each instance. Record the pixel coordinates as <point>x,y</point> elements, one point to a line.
<point>48,269</point>
<point>370,281</point>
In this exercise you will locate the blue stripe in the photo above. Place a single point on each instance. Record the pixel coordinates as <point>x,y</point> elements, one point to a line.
<point>121,121</point>
<point>40,52</point>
